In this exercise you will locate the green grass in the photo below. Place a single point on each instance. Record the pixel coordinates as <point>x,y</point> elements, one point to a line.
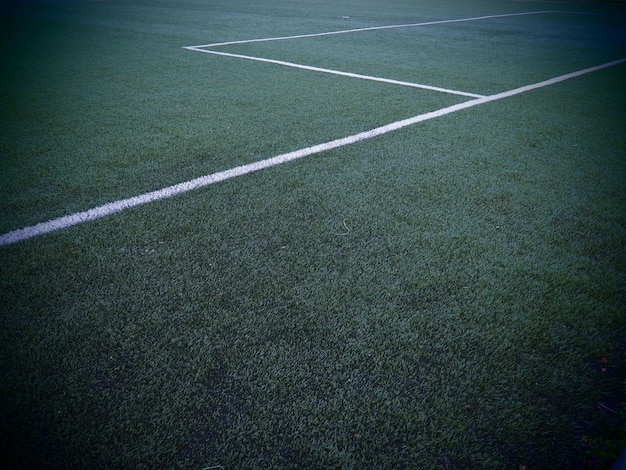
<point>438,297</point>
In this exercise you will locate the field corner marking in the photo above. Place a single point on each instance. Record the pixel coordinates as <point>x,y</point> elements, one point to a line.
<point>66,221</point>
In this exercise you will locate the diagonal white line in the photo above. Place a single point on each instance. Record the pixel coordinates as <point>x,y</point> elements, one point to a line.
<point>372,28</point>
<point>118,206</point>
<point>337,72</point>
<point>203,48</point>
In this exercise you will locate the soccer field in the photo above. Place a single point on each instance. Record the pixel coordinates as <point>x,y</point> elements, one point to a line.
<point>291,234</point>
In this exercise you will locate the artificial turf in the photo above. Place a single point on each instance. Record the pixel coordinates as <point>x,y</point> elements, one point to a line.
<point>450,295</point>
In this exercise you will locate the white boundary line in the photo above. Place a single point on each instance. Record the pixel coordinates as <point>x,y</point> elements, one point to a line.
<point>373,28</point>
<point>118,206</point>
<point>338,72</point>
<point>203,48</point>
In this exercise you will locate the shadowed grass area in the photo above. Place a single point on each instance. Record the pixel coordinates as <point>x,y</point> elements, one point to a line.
<point>450,295</point>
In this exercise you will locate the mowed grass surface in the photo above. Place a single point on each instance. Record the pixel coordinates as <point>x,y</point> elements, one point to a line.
<point>439,297</point>
<point>461,56</point>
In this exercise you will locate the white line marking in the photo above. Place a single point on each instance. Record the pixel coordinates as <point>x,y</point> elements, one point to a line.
<point>118,206</point>
<point>373,28</point>
<point>337,72</point>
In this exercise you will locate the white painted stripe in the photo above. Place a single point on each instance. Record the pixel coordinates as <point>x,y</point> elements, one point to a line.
<point>118,206</point>
<point>373,28</point>
<point>337,72</point>
<point>552,81</point>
